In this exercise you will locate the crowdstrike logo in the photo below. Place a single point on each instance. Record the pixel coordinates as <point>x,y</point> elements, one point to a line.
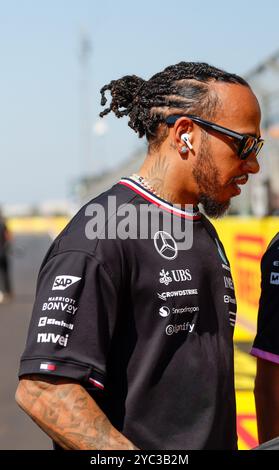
<point>165,245</point>
<point>177,293</point>
<point>62,282</point>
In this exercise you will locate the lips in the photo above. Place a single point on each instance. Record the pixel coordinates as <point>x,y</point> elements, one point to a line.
<point>238,180</point>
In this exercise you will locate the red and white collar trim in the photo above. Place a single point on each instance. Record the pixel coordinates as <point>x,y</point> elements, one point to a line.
<point>136,187</point>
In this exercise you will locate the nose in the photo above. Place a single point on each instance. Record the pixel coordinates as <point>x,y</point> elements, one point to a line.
<point>251,165</point>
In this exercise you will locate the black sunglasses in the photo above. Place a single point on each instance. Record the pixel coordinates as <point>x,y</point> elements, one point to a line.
<point>247,143</point>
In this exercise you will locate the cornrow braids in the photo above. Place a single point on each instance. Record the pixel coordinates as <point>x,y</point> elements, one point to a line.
<point>183,86</point>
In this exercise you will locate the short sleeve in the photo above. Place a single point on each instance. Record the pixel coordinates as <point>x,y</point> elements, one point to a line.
<point>73,319</point>
<point>266,344</point>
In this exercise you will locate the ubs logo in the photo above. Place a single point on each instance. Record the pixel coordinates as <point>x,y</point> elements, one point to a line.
<point>177,275</point>
<point>165,245</point>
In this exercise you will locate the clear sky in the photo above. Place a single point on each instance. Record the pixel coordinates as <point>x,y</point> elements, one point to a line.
<point>40,104</point>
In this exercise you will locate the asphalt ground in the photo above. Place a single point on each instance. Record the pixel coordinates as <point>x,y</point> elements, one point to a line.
<point>17,430</point>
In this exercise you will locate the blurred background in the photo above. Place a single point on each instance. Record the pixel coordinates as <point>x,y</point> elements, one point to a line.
<point>56,153</point>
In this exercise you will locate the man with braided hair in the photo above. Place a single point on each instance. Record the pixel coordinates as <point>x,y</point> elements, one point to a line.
<point>138,352</point>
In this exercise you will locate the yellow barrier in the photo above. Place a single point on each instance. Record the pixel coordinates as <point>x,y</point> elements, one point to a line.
<point>245,240</point>
<point>52,225</point>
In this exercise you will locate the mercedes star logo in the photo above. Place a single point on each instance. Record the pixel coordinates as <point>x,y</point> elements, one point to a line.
<point>165,245</point>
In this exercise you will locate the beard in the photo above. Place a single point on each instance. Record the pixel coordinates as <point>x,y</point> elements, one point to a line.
<point>207,177</point>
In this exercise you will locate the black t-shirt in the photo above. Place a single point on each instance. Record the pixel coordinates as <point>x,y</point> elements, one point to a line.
<point>144,324</point>
<point>266,344</point>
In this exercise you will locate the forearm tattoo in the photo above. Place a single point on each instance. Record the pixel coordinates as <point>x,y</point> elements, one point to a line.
<point>68,414</point>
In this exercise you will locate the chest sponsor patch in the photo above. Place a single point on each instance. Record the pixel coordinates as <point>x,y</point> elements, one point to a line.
<point>53,338</point>
<point>174,329</point>
<point>177,293</point>
<point>177,275</point>
<point>67,307</point>
<point>43,321</point>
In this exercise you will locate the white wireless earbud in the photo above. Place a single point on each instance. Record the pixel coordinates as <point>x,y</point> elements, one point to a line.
<point>186,140</point>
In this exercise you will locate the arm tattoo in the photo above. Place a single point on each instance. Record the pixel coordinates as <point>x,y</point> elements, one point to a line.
<point>68,414</point>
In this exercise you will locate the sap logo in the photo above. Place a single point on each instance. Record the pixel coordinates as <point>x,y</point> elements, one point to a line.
<point>52,338</point>
<point>63,282</point>
<point>274,278</point>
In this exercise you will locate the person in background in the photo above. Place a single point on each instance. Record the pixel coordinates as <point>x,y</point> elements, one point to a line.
<point>5,281</point>
<point>266,346</point>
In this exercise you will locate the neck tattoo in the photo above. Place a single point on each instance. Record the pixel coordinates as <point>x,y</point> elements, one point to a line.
<point>143,182</point>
